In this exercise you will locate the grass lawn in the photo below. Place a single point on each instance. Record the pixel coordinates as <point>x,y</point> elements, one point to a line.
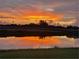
<point>41,53</point>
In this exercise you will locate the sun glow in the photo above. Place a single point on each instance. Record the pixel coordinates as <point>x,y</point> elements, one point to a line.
<point>40,18</point>
<point>34,17</point>
<point>37,15</point>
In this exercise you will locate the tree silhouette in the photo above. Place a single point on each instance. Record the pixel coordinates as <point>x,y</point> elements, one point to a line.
<point>43,23</point>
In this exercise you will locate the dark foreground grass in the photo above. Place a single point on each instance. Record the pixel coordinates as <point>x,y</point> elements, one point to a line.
<point>41,53</point>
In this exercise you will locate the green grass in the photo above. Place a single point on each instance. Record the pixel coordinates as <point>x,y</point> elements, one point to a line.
<point>41,53</point>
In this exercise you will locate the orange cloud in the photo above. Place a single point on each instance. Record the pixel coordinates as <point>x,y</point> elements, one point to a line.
<point>28,16</point>
<point>42,15</point>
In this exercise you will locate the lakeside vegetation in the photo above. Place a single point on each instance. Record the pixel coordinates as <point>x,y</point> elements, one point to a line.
<point>41,29</point>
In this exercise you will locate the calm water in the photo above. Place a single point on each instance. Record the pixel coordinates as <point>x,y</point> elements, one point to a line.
<point>37,42</point>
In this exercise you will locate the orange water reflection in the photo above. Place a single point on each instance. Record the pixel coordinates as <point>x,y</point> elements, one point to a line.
<point>36,42</point>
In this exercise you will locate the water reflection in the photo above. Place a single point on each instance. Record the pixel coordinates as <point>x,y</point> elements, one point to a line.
<point>36,42</point>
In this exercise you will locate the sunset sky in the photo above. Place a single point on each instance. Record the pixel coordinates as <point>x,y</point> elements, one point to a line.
<point>31,11</point>
<point>63,12</point>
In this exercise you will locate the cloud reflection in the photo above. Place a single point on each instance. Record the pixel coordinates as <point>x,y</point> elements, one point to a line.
<point>35,42</point>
